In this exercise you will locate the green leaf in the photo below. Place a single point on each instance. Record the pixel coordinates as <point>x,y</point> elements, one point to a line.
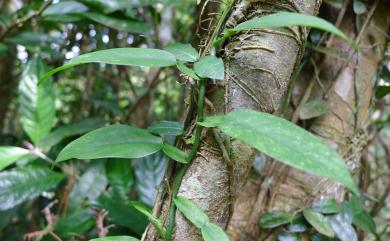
<point>286,236</point>
<point>298,225</point>
<point>275,219</point>
<point>33,39</point>
<point>115,238</point>
<point>142,57</point>
<point>319,222</point>
<point>212,121</point>
<point>125,25</point>
<point>175,153</point>
<point>191,211</point>
<point>286,19</point>
<point>65,7</point>
<point>163,128</point>
<point>120,175</point>
<point>19,185</point>
<point>210,67</point>
<point>313,108</point>
<point>74,224</point>
<point>360,217</point>
<point>149,172</point>
<point>36,103</point>
<point>3,49</point>
<point>63,132</point>
<point>213,232</point>
<point>326,206</point>
<point>186,70</point>
<point>154,220</point>
<point>320,237</point>
<point>10,154</point>
<point>342,227</point>
<point>123,213</point>
<point>183,52</point>
<point>116,141</point>
<point>286,142</point>
<point>381,91</point>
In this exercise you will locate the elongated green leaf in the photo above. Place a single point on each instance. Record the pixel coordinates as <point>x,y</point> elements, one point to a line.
<point>154,220</point>
<point>126,25</point>
<point>120,175</point>
<point>191,211</point>
<point>313,108</point>
<point>213,232</point>
<point>65,7</point>
<point>163,128</point>
<point>36,103</point>
<point>183,52</point>
<point>286,142</point>
<point>285,19</point>
<point>116,141</point>
<point>210,67</point>
<point>115,238</point>
<point>63,132</point>
<point>319,222</point>
<point>10,154</point>
<point>275,219</point>
<point>286,236</point>
<point>326,206</point>
<point>19,185</point>
<point>360,217</point>
<point>77,222</point>
<point>175,153</point>
<point>186,70</point>
<point>141,57</point>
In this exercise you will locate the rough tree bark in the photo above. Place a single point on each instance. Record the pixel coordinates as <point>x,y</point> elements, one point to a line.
<point>258,65</point>
<point>348,86</point>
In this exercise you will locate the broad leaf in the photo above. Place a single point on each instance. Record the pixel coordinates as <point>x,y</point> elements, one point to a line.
<point>63,132</point>
<point>326,206</point>
<point>116,141</point>
<point>65,7</point>
<point>191,211</point>
<point>115,238</point>
<point>163,128</point>
<point>320,237</point>
<point>149,172</point>
<point>286,142</point>
<point>210,67</point>
<point>319,222</point>
<point>19,185</point>
<point>286,236</point>
<point>360,217</point>
<point>175,153</point>
<point>120,175</point>
<point>313,108</point>
<point>10,154</point>
<point>141,57</point>
<point>183,52</point>
<point>213,232</point>
<point>36,103</point>
<point>343,228</point>
<point>77,222</point>
<point>275,219</point>
<point>298,225</point>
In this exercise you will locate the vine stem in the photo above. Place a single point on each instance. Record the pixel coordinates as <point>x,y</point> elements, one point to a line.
<point>192,154</point>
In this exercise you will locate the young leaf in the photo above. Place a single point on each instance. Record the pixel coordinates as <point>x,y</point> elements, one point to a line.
<point>186,70</point>
<point>163,128</point>
<point>115,238</point>
<point>141,57</point>
<point>326,206</point>
<point>286,142</point>
<point>275,219</point>
<point>19,185</point>
<point>175,153</point>
<point>213,232</point>
<point>319,222</point>
<point>210,67</point>
<point>36,103</point>
<point>183,52</point>
<point>313,108</point>
<point>116,141</point>
<point>191,211</point>
<point>154,220</point>
<point>10,154</point>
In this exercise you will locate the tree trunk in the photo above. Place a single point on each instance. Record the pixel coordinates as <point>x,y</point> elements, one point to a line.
<point>7,85</point>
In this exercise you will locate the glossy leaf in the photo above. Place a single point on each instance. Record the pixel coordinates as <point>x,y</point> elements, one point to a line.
<point>343,228</point>
<point>65,7</point>
<point>115,238</point>
<point>120,175</point>
<point>381,91</point>
<point>19,185</point>
<point>186,70</point>
<point>116,141</point>
<point>175,153</point>
<point>286,236</point>
<point>183,52</point>
<point>149,172</point>
<point>286,142</point>
<point>313,108</point>
<point>298,225</point>
<point>10,154</point>
<point>125,25</point>
<point>319,222</point>
<point>36,103</point>
<point>163,128</point>
<point>63,132</point>
<point>285,19</point>
<point>191,211</point>
<point>213,232</point>
<point>142,57</point>
<point>31,40</point>
<point>320,237</point>
<point>275,219</point>
<point>210,67</point>
<point>326,206</point>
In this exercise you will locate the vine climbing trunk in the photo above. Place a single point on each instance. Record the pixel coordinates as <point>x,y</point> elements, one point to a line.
<point>258,65</point>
